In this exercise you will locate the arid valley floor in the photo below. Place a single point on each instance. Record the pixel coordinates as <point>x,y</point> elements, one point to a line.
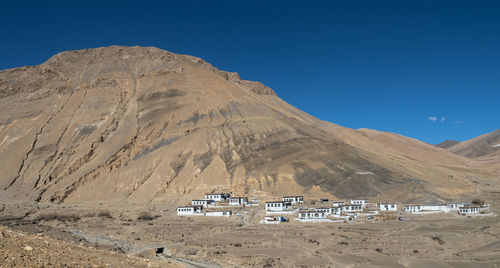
<point>123,240</point>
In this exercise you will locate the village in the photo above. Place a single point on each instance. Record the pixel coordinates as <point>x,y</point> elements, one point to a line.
<point>324,210</point>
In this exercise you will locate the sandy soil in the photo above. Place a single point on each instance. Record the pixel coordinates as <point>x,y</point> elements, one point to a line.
<point>441,240</point>
<point>20,249</point>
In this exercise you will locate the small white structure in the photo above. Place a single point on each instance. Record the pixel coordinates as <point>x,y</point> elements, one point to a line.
<point>387,207</point>
<point>272,220</point>
<point>190,210</point>
<point>468,210</point>
<point>351,208</point>
<point>359,202</point>
<point>485,206</point>
<point>426,208</point>
<point>311,214</point>
<point>327,211</point>
<point>238,201</point>
<point>217,197</point>
<point>336,210</point>
<point>219,213</point>
<point>338,203</point>
<point>456,206</point>
<point>294,200</point>
<point>278,206</point>
<point>203,203</point>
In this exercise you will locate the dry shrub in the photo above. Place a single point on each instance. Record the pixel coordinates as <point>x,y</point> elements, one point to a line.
<point>477,201</point>
<point>105,214</point>
<point>60,217</point>
<point>145,216</point>
<point>89,215</point>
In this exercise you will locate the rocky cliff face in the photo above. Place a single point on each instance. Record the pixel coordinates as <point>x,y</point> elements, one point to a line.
<point>135,123</point>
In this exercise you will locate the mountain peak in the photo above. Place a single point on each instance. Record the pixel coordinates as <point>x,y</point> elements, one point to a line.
<point>87,65</point>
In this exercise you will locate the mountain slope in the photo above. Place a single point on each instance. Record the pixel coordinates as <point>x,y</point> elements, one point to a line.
<point>446,144</point>
<point>485,149</point>
<point>480,146</point>
<point>137,124</point>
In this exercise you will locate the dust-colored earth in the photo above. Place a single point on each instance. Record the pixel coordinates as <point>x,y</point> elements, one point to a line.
<point>432,240</point>
<point>21,249</point>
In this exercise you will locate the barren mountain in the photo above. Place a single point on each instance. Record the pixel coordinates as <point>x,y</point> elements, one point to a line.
<point>480,146</point>
<point>137,124</point>
<point>485,149</point>
<point>446,144</point>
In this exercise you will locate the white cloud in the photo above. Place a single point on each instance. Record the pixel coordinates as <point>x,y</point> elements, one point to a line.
<point>442,119</point>
<point>458,122</point>
<point>433,118</point>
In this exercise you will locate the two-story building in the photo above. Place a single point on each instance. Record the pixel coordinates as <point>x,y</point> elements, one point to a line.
<point>362,203</point>
<point>311,214</point>
<point>387,207</point>
<point>217,197</point>
<point>294,200</point>
<point>278,206</point>
<point>238,201</point>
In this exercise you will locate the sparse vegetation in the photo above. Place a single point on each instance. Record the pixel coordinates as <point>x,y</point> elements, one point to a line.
<point>105,214</point>
<point>89,215</point>
<point>60,217</point>
<point>145,216</point>
<point>477,201</point>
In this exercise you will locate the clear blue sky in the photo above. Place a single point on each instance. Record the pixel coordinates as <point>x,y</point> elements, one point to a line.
<point>385,65</point>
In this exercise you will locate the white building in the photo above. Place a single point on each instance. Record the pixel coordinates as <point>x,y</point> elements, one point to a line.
<point>468,210</point>
<point>217,197</point>
<point>294,200</point>
<point>272,220</point>
<point>338,203</point>
<point>359,202</point>
<point>278,206</point>
<point>327,211</point>
<point>311,214</point>
<point>219,213</point>
<point>238,201</point>
<point>456,206</point>
<point>485,206</point>
<point>351,208</point>
<point>387,207</point>
<point>426,208</point>
<point>336,210</point>
<point>190,210</point>
<point>203,203</point>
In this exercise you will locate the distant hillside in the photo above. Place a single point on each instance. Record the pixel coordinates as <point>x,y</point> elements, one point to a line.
<point>480,146</point>
<point>446,144</point>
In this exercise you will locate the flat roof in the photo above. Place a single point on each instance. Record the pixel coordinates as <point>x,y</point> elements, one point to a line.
<point>432,205</point>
